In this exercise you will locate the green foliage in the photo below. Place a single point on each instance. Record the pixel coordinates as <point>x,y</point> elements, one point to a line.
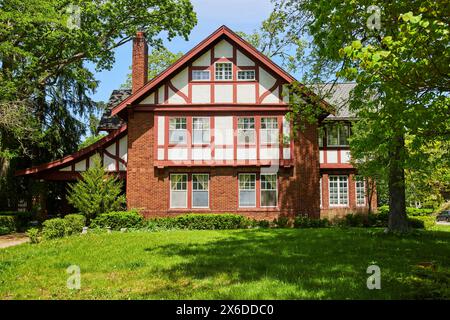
<point>96,192</point>
<point>118,220</point>
<point>74,223</point>
<point>7,224</point>
<point>90,140</point>
<point>159,59</point>
<point>303,221</point>
<point>21,218</point>
<point>282,222</point>
<point>34,235</point>
<point>200,222</point>
<point>54,228</point>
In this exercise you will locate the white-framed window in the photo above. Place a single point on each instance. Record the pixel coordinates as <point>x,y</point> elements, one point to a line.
<point>247,190</point>
<point>224,71</point>
<point>178,190</point>
<point>337,135</point>
<point>177,130</point>
<point>200,130</point>
<point>338,190</point>
<point>246,75</point>
<point>200,190</point>
<point>360,186</point>
<point>269,131</point>
<point>246,130</point>
<point>269,190</point>
<point>200,75</point>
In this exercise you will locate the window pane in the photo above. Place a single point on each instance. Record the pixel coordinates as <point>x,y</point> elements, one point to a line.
<point>200,75</point>
<point>268,181</point>
<point>201,131</point>
<point>269,123</point>
<point>177,136</point>
<point>333,190</point>
<point>247,182</point>
<point>178,181</point>
<point>200,181</point>
<point>343,190</point>
<point>332,135</point>
<point>360,191</point>
<point>321,135</point>
<point>224,71</point>
<point>343,135</point>
<point>268,198</point>
<point>200,199</point>
<point>247,198</point>
<point>179,199</point>
<point>246,75</point>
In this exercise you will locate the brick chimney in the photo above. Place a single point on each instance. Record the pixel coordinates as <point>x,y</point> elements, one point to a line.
<point>139,68</point>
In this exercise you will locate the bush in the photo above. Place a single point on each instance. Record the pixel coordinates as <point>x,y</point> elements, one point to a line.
<point>261,224</point>
<point>200,222</point>
<point>33,234</point>
<point>74,223</point>
<point>54,228</point>
<point>21,218</point>
<point>117,220</point>
<point>7,224</point>
<point>282,222</point>
<point>410,211</point>
<point>378,219</point>
<point>303,221</point>
<point>354,220</point>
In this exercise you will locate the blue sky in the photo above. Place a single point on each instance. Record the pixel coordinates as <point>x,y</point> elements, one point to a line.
<point>239,15</point>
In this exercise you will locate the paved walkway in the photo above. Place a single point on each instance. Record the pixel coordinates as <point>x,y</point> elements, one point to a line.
<point>14,239</point>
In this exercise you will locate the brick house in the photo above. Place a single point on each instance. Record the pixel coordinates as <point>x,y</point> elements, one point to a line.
<point>209,135</point>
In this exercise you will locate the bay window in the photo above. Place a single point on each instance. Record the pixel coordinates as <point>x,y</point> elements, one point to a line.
<point>200,131</point>
<point>246,130</point>
<point>247,190</point>
<point>177,130</point>
<point>178,190</point>
<point>269,190</point>
<point>338,190</point>
<point>269,131</point>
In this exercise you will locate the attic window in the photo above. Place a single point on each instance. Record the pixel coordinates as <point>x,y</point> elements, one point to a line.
<point>224,71</point>
<point>200,75</point>
<point>246,75</point>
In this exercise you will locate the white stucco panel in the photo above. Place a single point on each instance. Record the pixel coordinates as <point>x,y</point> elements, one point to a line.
<point>161,95</point>
<point>201,154</point>
<point>246,153</point>
<point>80,165</point>
<point>269,153</point>
<point>175,98</point>
<point>266,81</point>
<point>223,93</point>
<point>332,156</point>
<point>223,131</point>
<point>246,93</point>
<point>150,99</point>
<point>345,156</point>
<point>204,60</point>
<point>272,97</point>
<point>243,60</point>
<point>223,50</point>
<point>177,154</point>
<point>224,154</point>
<point>201,93</point>
<point>160,154</point>
<point>180,81</point>
<point>161,130</point>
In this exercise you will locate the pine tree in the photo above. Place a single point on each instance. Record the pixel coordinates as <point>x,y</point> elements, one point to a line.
<point>96,192</point>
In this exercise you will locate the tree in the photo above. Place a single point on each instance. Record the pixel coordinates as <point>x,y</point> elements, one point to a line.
<point>96,192</point>
<point>44,82</point>
<point>398,55</point>
<point>159,59</point>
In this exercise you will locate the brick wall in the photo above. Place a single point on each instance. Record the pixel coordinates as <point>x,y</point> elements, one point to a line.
<point>148,186</point>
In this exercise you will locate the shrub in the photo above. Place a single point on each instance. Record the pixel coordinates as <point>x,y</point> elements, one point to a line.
<point>74,223</point>
<point>378,219</point>
<point>354,220</point>
<point>282,222</point>
<point>200,222</point>
<point>416,223</point>
<point>7,224</point>
<point>261,223</point>
<point>96,192</point>
<point>303,221</point>
<point>33,234</point>
<point>54,228</point>
<point>21,218</point>
<point>117,220</point>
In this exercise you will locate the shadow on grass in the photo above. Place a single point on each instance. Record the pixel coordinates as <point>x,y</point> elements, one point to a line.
<point>319,263</point>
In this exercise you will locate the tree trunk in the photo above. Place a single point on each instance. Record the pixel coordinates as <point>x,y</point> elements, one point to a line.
<point>397,201</point>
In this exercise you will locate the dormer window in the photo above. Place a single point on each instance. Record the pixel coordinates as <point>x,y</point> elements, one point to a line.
<point>224,71</point>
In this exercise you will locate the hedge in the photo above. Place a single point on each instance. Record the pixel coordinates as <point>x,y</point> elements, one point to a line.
<point>7,224</point>
<point>21,219</point>
<point>58,228</point>
<point>118,219</point>
<point>201,222</point>
<point>410,211</point>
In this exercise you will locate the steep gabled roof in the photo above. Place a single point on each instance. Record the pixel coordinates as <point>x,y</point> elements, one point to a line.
<point>221,33</point>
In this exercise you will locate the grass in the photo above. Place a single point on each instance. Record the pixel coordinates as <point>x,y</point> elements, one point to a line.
<point>240,264</point>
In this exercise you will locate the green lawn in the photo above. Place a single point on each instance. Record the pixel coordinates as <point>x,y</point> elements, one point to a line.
<point>240,264</point>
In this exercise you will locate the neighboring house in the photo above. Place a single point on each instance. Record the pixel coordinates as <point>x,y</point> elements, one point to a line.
<point>209,134</point>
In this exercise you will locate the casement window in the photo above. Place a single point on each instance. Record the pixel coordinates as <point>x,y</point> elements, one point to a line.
<point>338,190</point>
<point>178,190</point>
<point>246,130</point>
<point>360,187</point>
<point>200,75</point>
<point>247,190</point>
<point>177,131</point>
<point>200,190</point>
<point>337,135</point>
<point>268,190</point>
<point>200,131</point>
<point>269,131</point>
<point>224,71</point>
<point>246,75</point>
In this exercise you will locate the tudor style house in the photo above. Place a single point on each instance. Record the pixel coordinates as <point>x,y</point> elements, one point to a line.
<point>210,135</point>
